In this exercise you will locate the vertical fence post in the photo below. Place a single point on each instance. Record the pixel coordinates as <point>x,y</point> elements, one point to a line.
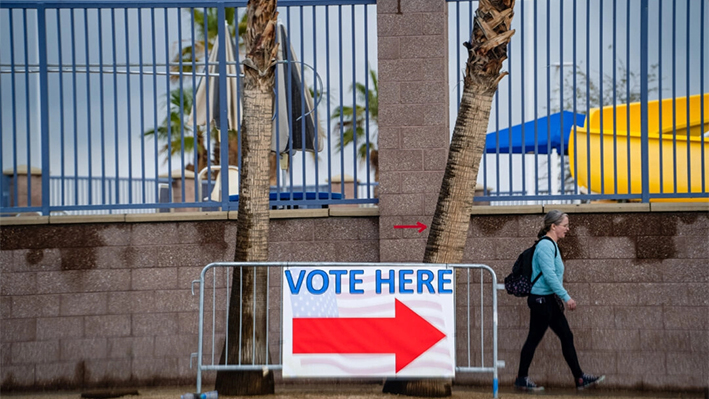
<point>643,100</point>
<point>200,336</point>
<point>223,107</point>
<point>44,104</point>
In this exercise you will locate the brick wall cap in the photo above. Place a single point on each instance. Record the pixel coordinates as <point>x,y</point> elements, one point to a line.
<point>175,217</point>
<point>680,206</point>
<point>296,213</point>
<point>23,220</point>
<point>67,219</point>
<point>177,174</point>
<point>22,170</point>
<point>346,212</point>
<point>354,212</point>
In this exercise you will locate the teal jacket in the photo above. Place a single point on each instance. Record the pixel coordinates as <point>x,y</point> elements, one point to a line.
<point>552,279</point>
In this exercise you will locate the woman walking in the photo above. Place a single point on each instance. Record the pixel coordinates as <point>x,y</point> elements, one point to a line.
<point>546,304</point>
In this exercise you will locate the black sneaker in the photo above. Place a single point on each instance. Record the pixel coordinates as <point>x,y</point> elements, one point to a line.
<point>588,381</point>
<point>525,384</point>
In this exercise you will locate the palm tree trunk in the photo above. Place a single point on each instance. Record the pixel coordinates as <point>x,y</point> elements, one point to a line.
<point>247,309</point>
<point>446,239</point>
<point>449,228</point>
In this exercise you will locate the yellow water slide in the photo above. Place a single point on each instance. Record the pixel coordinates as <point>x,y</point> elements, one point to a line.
<point>676,147</point>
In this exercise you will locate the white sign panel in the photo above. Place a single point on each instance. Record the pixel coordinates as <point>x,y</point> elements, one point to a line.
<point>368,322</point>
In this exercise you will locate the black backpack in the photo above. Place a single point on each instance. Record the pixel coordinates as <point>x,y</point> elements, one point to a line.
<point>518,282</point>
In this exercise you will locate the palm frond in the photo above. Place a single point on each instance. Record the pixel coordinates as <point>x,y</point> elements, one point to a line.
<point>350,122</point>
<point>348,138</point>
<point>177,145</point>
<point>363,149</point>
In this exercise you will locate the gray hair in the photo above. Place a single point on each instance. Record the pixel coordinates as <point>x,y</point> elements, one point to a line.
<point>552,217</point>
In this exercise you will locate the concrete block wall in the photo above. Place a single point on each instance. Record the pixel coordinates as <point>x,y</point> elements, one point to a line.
<point>640,281</point>
<point>97,303</point>
<point>110,304</point>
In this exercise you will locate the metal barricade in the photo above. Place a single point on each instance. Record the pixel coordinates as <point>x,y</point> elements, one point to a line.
<point>470,353</point>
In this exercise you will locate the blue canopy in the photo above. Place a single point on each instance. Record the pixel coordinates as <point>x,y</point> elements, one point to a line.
<point>549,130</point>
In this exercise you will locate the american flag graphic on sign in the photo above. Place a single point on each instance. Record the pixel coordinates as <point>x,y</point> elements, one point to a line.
<point>307,304</point>
<point>435,308</point>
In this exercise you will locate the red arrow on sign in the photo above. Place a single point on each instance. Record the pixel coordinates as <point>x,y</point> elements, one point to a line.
<point>407,335</point>
<point>418,225</point>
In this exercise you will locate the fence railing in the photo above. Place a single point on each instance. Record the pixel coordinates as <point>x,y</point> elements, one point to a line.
<point>131,90</point>
<point>474,319</point>
<point>139,194</point>
<point>80,191</point>
<point>599,104</point>
<point>606,100</point>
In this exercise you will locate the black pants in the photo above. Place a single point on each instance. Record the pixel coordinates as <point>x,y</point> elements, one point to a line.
<point>544,312</point>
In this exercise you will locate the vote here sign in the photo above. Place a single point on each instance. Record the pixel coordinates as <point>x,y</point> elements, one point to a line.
<point>368,322</point>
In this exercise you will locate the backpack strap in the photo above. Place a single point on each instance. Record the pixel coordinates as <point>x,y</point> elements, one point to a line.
<point>536,278</point>
<point>540,272</point>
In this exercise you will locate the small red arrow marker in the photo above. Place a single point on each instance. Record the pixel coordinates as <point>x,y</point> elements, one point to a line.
<point>418,225</point>
<point>407,335</point>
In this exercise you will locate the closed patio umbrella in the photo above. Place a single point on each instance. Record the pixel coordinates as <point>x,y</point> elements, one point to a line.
<point>291,128</point>
<point>285,128</point>
<point>294,126</point>
<point>200,110</point>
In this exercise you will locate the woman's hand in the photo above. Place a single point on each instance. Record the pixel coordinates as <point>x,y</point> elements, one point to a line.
<point>571,304</point>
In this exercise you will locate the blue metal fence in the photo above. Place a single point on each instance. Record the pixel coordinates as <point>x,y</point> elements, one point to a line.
<point>78,191</point>
<point>605,100</point>
<point>109,93</point>
<point>600,104</point>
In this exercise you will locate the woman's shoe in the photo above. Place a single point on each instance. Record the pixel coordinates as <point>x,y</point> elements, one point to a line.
<point>525,384</point>
<point>588,380</point>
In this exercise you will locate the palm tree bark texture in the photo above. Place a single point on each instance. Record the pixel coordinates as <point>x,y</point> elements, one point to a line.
<point>487,50</point>
<point>247,329</point>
